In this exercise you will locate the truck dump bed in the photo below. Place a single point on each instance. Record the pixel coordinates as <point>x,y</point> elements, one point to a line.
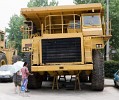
<point>41,12</point>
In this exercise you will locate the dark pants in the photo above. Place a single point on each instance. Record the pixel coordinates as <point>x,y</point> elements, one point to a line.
<point>17,83</point>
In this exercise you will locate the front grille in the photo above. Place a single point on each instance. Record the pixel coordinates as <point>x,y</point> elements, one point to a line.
<point>61,50</point>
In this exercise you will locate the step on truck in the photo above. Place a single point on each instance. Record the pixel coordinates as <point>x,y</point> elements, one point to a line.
<point>65,40</point>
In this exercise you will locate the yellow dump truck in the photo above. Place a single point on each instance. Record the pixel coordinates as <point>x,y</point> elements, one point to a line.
<point>65,40</point>
<point>8,55</point>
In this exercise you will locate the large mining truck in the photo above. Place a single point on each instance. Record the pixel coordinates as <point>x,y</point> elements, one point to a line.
<point>8,54</point>
<point>65,40</point>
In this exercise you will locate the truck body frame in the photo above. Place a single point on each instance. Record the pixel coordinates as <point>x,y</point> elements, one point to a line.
<point>62,39</point>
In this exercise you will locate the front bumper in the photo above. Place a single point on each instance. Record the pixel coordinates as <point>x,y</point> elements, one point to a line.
<point>61,68</point>
<point>3,78</point>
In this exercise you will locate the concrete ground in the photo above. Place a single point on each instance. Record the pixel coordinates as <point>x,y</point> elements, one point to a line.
<point>46,93</point>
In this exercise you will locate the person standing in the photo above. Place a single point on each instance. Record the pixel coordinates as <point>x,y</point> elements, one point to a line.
<point>17,78</point>
<point>25,74</point>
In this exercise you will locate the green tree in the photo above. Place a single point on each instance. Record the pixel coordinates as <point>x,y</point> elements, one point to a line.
<point>114,16</point>
<point>88,1</point>
<point>41,3</point>
<point>14,31</point>
<point>17,21</point>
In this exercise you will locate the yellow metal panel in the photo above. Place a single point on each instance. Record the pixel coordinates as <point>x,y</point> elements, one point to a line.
<point>92,31</point>
<point>35,47</point>
<point>80,7</point>
<point>73,30</point>
<point>67,35</point>
<point>88,49</point>
<point>54,73</point>
<point>100,40</point>
<point>62,67</point>
<point>36,50</point>
<point>9,54</point>
<point>90,43</point>
<point>26,42</point>
<point>97,41</point>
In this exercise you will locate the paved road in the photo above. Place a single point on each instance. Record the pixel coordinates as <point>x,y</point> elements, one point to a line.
<point>109,93</point>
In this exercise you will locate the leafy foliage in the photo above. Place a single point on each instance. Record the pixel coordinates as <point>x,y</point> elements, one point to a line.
<point>41,3</point>
<point>14,31</point>
<point>114,15</point>
<point>15,35</point>
<point>110,68</point>
<point>88,1</point>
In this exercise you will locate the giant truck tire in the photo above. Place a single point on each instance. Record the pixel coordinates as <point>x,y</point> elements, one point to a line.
<point>15,58</point>
<point>115,84</point>
<point>3,59</point>
<point>98,71</point>
<point>35,80</point>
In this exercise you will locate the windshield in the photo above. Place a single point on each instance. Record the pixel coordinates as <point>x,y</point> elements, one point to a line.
<point>91,20</point>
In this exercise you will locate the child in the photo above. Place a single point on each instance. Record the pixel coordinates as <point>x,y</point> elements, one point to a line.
<point>17,78</point>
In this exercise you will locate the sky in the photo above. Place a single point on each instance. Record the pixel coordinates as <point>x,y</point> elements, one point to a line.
<point>10,7</point>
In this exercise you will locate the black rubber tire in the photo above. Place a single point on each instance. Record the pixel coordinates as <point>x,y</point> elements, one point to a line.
<point>15,58</point>
<point>35,80</point>
<point>115,84</point>
<point>98,71</point>
<point>3,59</point>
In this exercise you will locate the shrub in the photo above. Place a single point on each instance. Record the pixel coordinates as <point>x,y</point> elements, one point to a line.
<point>110,68</point>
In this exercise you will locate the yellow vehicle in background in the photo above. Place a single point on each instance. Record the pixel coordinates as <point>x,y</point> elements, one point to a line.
<point>65,40</point>
<point>8,55</point>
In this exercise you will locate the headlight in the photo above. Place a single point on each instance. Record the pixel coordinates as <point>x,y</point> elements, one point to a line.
<point>98,45</point>
<point>23,48</point>
<point>27,49</point>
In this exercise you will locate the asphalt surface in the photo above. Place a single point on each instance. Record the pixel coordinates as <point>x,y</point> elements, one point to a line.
<point>46,93</point>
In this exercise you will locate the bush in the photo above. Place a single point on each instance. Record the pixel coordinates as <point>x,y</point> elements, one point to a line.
<point>110,68</point>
